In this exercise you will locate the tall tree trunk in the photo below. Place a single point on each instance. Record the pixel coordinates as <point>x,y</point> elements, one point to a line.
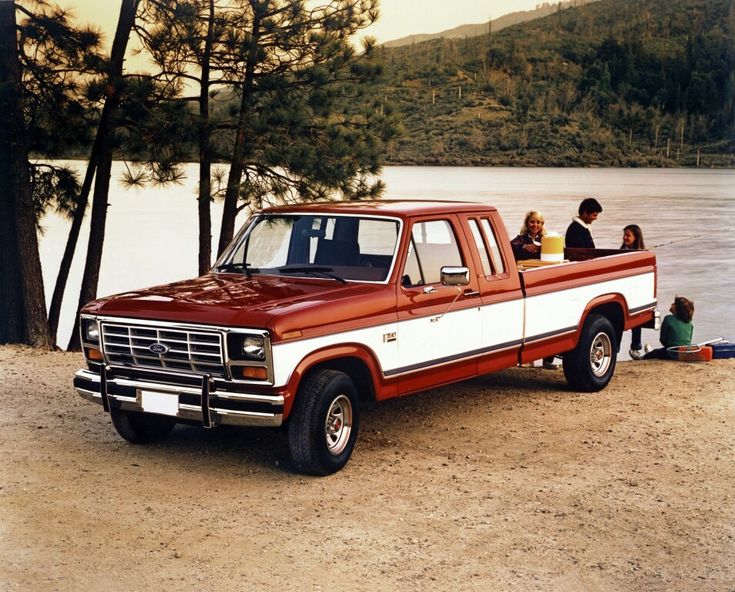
<point>232,193</point>
<point>71,243</point>
<point>11,293</point>
<point>205,155</point>
<point>90,278</point>
<point>21,298</point>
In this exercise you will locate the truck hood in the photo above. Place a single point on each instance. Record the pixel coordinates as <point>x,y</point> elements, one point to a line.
<point>235,300</point>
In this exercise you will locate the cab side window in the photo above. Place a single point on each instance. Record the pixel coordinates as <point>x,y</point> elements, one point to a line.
<point>433,246</point>
<point>492,242</point>
<point>481,248</point>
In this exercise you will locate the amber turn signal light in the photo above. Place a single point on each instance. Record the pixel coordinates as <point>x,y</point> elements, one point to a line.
<point>254,373</point>
<point>94,355</point>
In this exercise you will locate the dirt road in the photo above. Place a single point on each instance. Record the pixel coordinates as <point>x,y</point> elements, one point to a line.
<point>509,482</point>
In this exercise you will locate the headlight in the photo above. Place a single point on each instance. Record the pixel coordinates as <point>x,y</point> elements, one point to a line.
<point>90,330</point>
<point>247,347</point>
<point>253,347</point>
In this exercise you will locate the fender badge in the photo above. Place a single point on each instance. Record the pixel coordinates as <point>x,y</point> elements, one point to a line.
<point>158,348</point>
<point>388,337</point>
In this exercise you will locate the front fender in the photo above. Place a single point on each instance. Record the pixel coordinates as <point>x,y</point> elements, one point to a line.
<point>341,357</point>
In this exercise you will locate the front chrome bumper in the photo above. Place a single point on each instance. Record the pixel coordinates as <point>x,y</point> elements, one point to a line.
<point>207,403</point>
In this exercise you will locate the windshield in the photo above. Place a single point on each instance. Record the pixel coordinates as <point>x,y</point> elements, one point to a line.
<point>327,246</point>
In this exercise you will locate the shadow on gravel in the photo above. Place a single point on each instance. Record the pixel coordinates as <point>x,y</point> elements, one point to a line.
<point>199,449</point>
<point>487,392</point>
<point>405,418</point>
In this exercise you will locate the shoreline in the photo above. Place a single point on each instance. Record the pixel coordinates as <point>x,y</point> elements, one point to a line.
<point>509,165</point>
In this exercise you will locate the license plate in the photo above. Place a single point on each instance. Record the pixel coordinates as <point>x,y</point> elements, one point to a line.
<point>161,403</point>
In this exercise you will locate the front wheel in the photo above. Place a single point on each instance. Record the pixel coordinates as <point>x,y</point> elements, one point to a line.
<point>142,428</point>
<point>323,426</point>
<point>589,367</point>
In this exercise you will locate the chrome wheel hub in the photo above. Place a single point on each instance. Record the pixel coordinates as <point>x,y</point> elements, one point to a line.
<point>338,424</point>
<point>600,354</point>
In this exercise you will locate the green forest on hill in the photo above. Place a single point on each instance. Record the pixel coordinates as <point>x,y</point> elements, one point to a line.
<point>612,83</point>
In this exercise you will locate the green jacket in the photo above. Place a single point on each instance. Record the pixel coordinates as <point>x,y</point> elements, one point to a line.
<point>675,332</point>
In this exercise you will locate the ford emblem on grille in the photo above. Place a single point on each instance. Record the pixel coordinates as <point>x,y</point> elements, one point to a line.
<point>158,348</point>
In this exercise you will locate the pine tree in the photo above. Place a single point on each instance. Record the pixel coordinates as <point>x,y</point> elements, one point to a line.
<point>101,160</point>
<point>40,56</point>
<point>185,40</point>
<point>144,118</point>
<point>22,299</point>
<point>305,128</point>
<point>54,55</point>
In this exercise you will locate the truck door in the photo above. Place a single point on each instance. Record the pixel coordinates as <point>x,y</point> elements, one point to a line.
<point>439,327</point>
<point>502,299</point>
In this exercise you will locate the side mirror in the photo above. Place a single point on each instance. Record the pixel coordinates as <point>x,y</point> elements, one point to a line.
<point>455,276</point>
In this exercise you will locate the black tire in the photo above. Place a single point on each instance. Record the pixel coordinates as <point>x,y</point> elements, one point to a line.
<point>591,365</point>
<point>324,422</point>
<point>142,428</point>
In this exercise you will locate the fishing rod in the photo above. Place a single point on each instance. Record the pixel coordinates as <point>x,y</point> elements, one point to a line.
<point>711,341</point>
<point>679,240</point>
<point>695,347</point>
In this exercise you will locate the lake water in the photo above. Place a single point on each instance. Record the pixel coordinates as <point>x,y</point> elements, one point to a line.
<point>152,233</point>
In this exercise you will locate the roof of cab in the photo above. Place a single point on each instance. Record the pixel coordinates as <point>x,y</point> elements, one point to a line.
<point>397,208</point>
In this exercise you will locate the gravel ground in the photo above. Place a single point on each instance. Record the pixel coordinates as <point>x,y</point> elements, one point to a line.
<point>507,482</point>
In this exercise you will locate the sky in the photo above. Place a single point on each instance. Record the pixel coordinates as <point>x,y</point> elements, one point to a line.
<point>407,17</point>
<point>398,17</point>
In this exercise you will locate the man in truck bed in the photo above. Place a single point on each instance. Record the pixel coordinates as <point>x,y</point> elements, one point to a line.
<point>579,233</point>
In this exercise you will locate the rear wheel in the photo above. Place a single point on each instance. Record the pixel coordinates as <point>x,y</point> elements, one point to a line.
<point>323,426</point>
<point>590,366</point>
<point>142,428</point>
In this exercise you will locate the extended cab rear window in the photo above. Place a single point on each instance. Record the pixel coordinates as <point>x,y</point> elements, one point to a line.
<point>497,257</point>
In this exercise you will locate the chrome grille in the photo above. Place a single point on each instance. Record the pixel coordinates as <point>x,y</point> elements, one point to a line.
<point>187,350</point>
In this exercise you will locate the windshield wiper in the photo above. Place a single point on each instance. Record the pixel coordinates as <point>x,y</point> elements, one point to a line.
<point>314,270</point>
<point>228,267</point>
<point>243,267</point>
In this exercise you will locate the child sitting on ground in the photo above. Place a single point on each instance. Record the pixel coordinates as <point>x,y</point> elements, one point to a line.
<point>676,329</point>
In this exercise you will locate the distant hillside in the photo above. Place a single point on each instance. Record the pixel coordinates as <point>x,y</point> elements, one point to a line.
<point>495,25</point>
<point>610,83</point>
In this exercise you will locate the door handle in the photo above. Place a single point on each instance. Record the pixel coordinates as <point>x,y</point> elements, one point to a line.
<point>429,290</point>
<point>471,293</point>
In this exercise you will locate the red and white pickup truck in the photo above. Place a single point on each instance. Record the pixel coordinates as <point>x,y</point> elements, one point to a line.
<point>316,307</point>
